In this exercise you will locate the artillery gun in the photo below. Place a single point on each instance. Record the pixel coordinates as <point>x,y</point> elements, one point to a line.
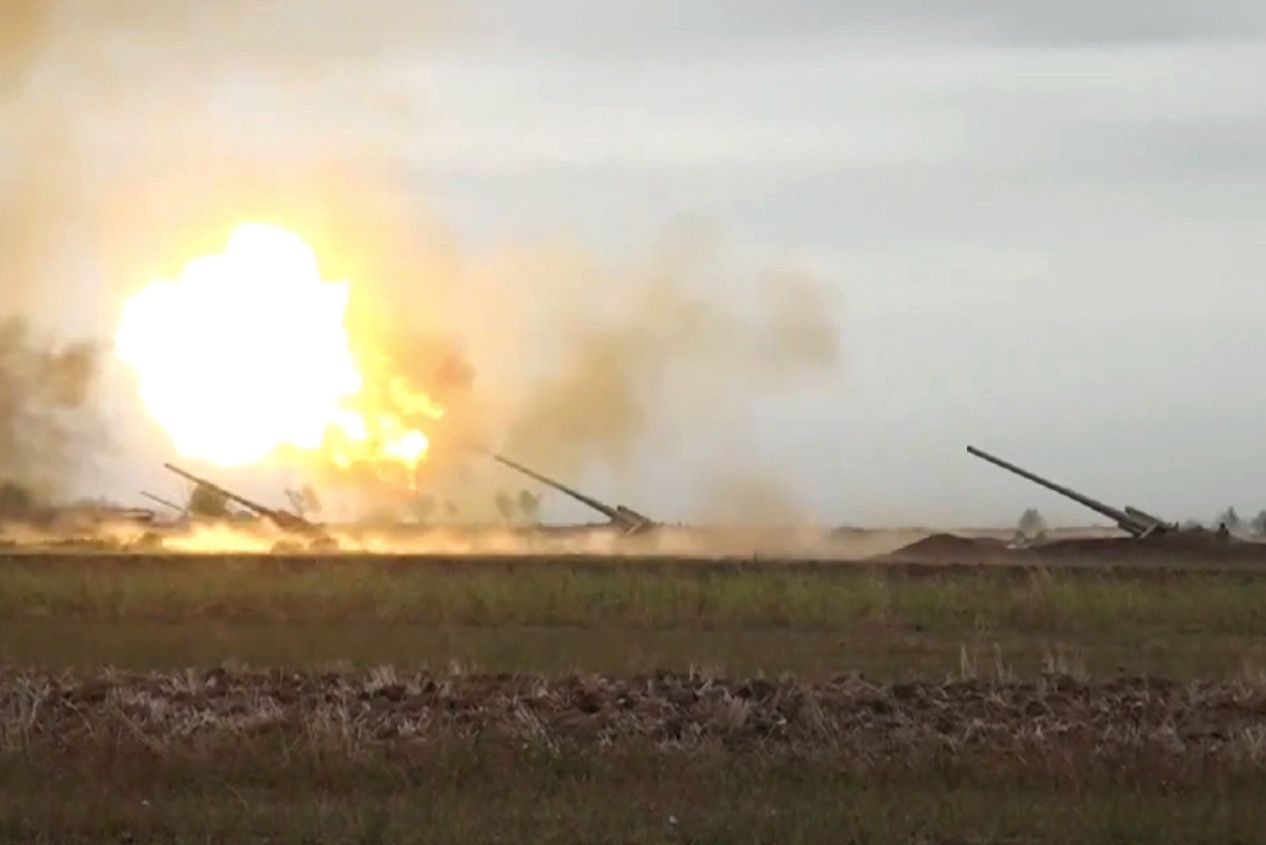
<point>627,520</point>
<point>282,519</point>
<point>1139,524</point>
<point>167,503</point>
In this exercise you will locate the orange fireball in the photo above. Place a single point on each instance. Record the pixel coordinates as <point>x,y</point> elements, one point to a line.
<point>247,354</point>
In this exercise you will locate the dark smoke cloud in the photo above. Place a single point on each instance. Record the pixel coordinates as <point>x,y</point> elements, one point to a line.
<point>46,425</point>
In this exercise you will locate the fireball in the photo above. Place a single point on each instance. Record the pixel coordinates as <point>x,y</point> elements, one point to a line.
<point>247,354</point>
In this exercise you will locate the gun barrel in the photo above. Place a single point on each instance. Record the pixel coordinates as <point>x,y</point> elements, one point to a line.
<point>282,519</point>
<point>164,502</point>
<point>602,508</point>
<point>1124,520</point>
<point>630,519</point>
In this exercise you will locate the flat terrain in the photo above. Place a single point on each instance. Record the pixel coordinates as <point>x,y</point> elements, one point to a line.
<point>384,699</point>
<point>560,615</point>
<point>379,756</point>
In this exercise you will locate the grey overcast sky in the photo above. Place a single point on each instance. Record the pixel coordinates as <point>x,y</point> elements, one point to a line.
<point>1041,223</point>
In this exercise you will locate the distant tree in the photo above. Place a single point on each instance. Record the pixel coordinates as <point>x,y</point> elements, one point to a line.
<point>304,500</point>
<point>1257,525</point>
<point>205,502</point>
<point>16,501</point>
<point>530,506</point>
<point>505,506</point>
<point>1231,520</point>
<point>1032,525</point>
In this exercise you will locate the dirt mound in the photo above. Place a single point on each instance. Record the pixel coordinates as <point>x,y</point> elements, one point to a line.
<point>950,548</point>
<point>1174,547</point>
<point>1196,549</point>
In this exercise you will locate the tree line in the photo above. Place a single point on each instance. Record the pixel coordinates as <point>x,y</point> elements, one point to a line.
<point>1032,525</point>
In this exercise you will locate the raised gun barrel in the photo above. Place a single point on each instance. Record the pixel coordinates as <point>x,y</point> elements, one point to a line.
<point>282,519</point>
<point>165,503</point>
<point>625,518</point>
<point>1132,520</point>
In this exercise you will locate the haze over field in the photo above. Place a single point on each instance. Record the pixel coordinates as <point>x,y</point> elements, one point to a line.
<point>753,257</point>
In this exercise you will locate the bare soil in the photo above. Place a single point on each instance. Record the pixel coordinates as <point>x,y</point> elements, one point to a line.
<point>847,715</point>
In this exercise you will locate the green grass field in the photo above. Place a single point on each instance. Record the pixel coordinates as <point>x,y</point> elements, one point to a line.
<point>557,617</point>
<point>471,794</point>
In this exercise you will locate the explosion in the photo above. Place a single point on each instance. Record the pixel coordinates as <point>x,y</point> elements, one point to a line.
<point>247,355</point>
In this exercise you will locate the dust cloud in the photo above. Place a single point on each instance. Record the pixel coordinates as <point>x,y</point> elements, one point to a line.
<point>584,364</point>
<point>20,30</point>
<point>37,162</point>
<point>737,495</point>
<point>654,353</point>
<point>137,134</point>
<point>258,537</point>
<point>47,426</point>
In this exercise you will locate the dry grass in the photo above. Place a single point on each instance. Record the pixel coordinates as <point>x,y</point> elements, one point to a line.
<point>380,756</point>
<point>846,717</point>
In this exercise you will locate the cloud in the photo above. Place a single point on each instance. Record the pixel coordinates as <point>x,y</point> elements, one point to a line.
<point>702,30</point>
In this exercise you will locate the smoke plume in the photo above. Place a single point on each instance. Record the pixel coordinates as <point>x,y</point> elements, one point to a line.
<point>737,495</point>
<point>20,28</point>
<point>37,164</point>
<point>136,134</point>
<point>667,353</point>
<point>46,427</point>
